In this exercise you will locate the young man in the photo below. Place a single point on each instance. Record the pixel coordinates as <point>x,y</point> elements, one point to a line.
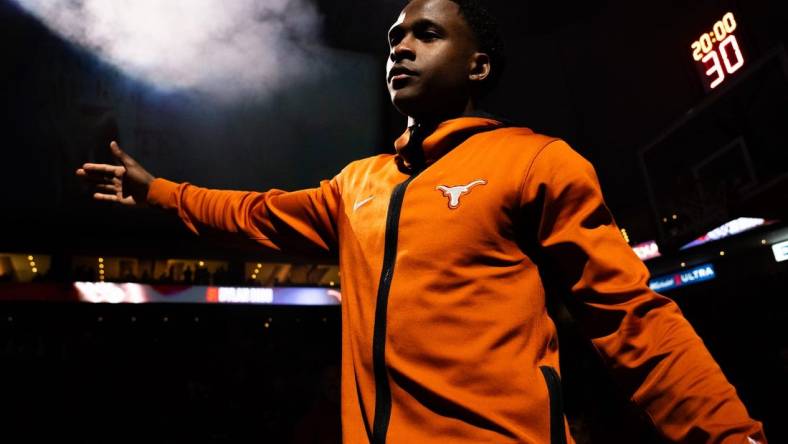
<point>446,248</point>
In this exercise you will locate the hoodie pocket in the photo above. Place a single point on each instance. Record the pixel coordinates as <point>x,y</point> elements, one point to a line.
<point>553,381</point>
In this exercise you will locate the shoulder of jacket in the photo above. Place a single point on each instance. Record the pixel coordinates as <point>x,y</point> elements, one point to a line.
<point>369,162</point>
<point>365,165</point>
<point>524,136</point>
<point>519,141</point>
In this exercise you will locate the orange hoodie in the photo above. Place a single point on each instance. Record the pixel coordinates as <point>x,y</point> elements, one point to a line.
<point>442,249</point>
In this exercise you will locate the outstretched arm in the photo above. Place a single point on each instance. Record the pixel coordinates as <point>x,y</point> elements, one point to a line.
<point>300,222</point>
<point>652,350</point>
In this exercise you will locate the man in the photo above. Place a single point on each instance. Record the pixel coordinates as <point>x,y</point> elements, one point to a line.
<point>445,250</point>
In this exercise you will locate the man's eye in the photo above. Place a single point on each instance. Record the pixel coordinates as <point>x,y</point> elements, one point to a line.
<point>430,35</point>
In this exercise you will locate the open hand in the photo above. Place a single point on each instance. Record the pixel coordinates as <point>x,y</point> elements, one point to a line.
<point>126,183</point>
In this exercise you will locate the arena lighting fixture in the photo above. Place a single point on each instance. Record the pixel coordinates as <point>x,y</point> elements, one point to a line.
<point>728,229</point>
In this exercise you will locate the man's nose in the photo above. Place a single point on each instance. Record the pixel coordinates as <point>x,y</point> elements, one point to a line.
<point>402,51</point>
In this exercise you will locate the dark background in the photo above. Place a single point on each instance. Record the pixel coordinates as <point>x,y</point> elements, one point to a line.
<point>613,78</point>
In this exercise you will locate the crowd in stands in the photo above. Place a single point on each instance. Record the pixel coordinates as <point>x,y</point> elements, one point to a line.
<point>189,276</point>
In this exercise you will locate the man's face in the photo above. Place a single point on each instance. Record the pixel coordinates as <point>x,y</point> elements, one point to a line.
<point>431,58</point>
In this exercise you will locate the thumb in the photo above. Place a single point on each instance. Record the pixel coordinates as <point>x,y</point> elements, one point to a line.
<point>119,153</point>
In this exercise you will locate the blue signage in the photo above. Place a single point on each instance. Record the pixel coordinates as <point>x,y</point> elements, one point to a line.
<point>695,275</point>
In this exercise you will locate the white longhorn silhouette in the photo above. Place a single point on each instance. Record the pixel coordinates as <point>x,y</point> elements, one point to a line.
<point>454,193</point>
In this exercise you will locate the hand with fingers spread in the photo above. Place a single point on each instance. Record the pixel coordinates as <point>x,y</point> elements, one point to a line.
<point>126,183</point>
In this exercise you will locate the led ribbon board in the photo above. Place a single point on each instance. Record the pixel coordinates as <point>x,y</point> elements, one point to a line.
<point>780,251</point>
<point>728,229</point>
<point>695,275</point>
<point>717,53</point>
<point>647,250</point>
<point>132,293</point>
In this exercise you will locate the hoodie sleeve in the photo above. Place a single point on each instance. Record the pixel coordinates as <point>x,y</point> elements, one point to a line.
<point>653,352</point>
<point>298,222</point>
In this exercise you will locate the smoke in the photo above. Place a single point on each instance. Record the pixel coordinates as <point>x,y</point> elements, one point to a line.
<point>225,49</point>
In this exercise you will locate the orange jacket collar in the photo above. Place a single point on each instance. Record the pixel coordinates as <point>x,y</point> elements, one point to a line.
<point>445,137</point>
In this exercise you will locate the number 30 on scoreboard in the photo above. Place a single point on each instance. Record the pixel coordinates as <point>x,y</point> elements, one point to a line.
<point>718,52</point>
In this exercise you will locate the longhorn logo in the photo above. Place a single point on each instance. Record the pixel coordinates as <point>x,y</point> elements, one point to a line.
<point>454,193</point>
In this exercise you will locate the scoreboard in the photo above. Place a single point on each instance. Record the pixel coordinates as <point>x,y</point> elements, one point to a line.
<point>725,157</point>
<point>718,53</point>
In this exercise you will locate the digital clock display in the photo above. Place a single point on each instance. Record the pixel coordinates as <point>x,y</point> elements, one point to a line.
<point>718,53</point>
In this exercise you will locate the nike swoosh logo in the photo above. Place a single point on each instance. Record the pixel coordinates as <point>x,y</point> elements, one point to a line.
<point>360,204</point>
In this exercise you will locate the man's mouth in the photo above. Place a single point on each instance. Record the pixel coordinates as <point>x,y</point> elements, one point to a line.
<point>399,73</point>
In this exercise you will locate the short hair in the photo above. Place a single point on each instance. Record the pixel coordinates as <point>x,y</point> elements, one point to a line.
<point>488,36</point>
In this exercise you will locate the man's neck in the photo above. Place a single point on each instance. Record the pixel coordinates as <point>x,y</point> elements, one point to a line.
<point>434,120</point>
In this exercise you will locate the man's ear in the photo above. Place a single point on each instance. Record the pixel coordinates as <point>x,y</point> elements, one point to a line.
<point>480,67</point>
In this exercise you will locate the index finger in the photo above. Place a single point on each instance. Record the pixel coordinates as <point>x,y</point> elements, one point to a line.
<point>103,168</point>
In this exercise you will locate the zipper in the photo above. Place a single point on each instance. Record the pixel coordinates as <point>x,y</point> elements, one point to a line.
<point>380,424</point>
<point>382,389</point>
<point>557,432</point>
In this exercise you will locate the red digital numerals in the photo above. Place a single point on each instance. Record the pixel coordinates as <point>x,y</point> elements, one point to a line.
<point>719,51</point>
